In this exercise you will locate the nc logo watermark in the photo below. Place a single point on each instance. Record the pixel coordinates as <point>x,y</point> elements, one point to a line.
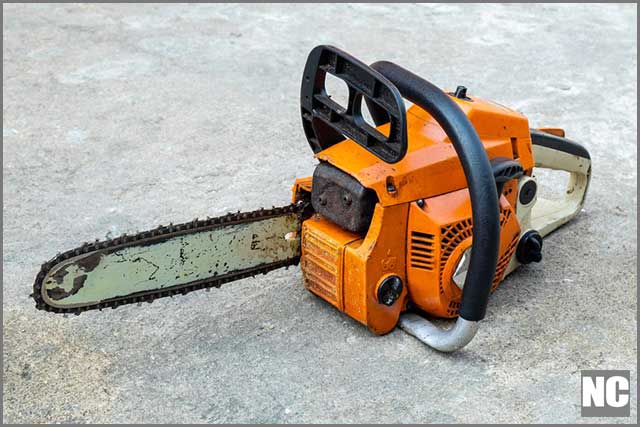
<point>605,393</point>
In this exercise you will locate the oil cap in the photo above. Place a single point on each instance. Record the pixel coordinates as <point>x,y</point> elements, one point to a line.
<point>529,248</point>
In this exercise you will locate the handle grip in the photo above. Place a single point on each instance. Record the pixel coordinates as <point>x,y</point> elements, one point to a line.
<point>558,153</point>
<point>326,122</point>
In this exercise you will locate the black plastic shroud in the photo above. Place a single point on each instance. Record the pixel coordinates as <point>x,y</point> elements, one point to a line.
<point>339,197</point>
<point>326,122</point>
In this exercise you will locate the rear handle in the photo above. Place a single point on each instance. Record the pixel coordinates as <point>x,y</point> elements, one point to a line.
<point>558,153</point>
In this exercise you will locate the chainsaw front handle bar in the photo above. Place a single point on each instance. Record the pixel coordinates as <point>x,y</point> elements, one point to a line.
<point>484,205</point>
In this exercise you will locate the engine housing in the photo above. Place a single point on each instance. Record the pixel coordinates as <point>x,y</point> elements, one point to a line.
<point>409,221</point>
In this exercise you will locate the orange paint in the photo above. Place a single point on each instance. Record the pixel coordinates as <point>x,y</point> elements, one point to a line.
<point>431,166</point>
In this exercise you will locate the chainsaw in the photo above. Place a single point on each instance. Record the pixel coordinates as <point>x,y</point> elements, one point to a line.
<point>410,214</point>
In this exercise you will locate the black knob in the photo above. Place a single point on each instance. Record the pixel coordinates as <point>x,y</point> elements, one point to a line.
<point>461,92</point>
<point>529,248</point>
<point>528,192</point>
<point>389,290</point>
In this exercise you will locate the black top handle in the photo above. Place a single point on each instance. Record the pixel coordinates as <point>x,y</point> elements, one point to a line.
<point>326,122</point>
<point>478,173</point>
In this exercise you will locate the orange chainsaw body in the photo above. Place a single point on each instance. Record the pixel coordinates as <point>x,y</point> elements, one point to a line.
<point>421,223</point>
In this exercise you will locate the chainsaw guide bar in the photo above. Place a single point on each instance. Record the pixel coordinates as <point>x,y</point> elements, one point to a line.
<point>62,281</point>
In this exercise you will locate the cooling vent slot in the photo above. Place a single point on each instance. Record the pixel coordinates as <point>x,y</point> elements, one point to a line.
<point>453,308</point>
<point>422,250</point>
<point>450,237</point>
<point>505,214</point>
<point>321,271</point>
<point>503,262</point>
<point>453,234</point>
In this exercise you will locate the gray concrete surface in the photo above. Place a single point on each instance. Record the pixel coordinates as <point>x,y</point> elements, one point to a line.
<point>117,118</point>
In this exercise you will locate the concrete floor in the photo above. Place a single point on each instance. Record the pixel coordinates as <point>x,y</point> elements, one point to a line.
<point>118,118</point>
